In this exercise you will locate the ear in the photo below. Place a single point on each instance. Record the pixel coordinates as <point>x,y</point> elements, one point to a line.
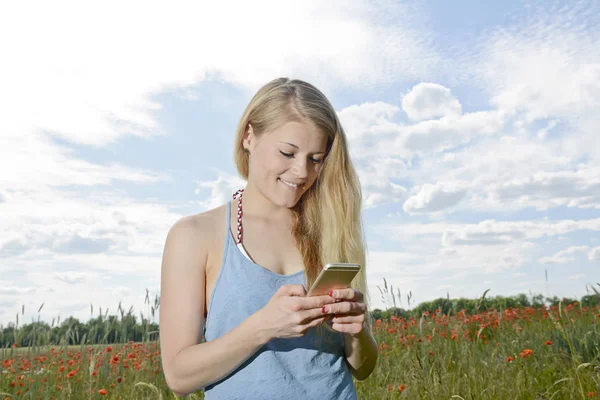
<point>249,138</point>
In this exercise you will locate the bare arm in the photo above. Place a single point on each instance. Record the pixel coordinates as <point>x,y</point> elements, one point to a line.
<point>197,366</point>
<point>361,353</point>
<point>189,365</point>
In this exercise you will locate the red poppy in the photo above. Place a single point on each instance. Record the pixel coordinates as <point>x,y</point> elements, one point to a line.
<point>526,353</point>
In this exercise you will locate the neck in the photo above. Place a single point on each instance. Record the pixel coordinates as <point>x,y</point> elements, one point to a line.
<point>256,205</point>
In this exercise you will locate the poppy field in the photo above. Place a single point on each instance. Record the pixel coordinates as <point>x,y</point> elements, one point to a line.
<point>512,353</point>
<point>516,353</point>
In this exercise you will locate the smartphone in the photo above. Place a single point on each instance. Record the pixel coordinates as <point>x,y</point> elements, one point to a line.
<point>334,276</point>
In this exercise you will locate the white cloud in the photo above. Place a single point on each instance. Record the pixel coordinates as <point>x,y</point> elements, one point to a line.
<point>512,174</point>
<point>498,232</point>
<point>120,292</point>
<point>376,195</point>
<point>70,228</point>
<point>74,277</point>
<point>366,126</point>
<point>543,133</point>
<point>31,160</point>
<point>79,244</point>
<point>17,290</point>
<point>385,150</point>
<point>430,100</point>
<point>564,256</point>
<point>366,120</point>
<point>545,66</point>
<point>445,287</point>
<point>487,246</point>
<point>576,277</point>
<point>594,254</point>
<point>431,251</point>
<point>98,85</point>
<point>221,189</point>
<point>543,190</point>
<point>434,198</point>
<point>433,136</point>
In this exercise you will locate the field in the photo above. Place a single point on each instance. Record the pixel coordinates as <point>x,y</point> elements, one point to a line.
<point>514,353</point>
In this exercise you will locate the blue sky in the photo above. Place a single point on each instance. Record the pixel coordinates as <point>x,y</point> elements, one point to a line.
<point>473,127</point>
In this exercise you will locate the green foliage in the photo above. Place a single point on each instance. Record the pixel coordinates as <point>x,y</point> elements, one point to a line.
<point>101,329</point>
<point>472,306</point>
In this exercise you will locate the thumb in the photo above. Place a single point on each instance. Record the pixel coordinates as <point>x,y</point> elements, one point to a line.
<point>292,290</point>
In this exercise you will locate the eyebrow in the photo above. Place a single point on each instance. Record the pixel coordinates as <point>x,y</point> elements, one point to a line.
<point>293,145</point>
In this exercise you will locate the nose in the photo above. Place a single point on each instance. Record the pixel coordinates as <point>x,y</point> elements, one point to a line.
<point>300,168</point>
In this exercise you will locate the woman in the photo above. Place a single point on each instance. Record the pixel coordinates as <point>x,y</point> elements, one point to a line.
<point>235,273</point>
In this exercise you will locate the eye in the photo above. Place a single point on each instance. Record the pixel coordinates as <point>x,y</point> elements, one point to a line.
<point>290,155</point>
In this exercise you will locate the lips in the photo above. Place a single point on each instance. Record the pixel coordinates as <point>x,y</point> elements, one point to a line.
<point>291,184</point>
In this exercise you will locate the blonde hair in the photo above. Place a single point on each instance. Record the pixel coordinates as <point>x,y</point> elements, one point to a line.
<point>327,219</point>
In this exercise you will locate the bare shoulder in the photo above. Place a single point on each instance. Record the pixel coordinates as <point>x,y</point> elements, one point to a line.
<point>183,283</point>
<point>212,219</point>
<point>199,224</point>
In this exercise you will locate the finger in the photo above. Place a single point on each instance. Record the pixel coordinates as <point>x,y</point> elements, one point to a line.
<point>348,294</point>
<point>292,290</point>
<point>346,307</point>
<point>347,328</point>
<point>313,302</point>
<point>303,328</point>
<point>317,321</point>
<point>347,319</point>
<point>309,324</point>
<point>313,313</point>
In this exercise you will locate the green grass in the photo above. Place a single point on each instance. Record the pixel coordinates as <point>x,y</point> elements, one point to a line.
<point>522,353</point>
<point>513,353</point>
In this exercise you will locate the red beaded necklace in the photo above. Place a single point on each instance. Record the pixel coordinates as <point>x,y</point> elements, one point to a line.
<point>239,217</point>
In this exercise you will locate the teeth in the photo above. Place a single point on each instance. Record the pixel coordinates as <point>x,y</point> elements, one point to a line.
<point>288,183</point>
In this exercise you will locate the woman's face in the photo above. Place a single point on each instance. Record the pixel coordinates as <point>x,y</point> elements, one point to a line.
<point>286,162</point>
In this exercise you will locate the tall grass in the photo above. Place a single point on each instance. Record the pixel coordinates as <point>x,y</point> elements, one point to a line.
<point>524,352</point>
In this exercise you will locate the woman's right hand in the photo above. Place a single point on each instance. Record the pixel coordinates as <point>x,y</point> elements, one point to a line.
<point>290,313</point>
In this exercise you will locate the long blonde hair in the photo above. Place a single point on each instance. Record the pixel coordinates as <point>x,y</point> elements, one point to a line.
<point>327,219</point>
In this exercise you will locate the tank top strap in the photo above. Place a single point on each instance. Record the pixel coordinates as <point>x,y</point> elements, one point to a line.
<point>228,210</point>
<point>227,221</point>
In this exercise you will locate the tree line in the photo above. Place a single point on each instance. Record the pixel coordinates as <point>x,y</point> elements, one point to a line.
<point>448,306</point>
<point>108,329</point>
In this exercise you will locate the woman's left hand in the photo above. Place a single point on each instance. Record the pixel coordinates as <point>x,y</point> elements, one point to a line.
<point>348,314</point>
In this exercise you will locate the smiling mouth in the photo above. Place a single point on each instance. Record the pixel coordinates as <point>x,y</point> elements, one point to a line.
<point>292,185</point>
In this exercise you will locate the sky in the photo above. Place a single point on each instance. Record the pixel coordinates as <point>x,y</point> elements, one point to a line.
<point>473,127</point>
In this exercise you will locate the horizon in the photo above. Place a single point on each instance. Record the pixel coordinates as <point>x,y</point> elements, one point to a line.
<point>385,306</point>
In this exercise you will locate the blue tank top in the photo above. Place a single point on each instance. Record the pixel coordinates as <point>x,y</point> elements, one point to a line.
<point>309,367</point>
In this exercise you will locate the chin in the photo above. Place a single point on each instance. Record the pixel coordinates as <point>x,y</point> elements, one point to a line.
<point>287,196</point>
<point>288,202</point>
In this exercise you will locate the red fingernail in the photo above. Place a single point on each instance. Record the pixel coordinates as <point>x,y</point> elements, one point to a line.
<point>323,310</point>
<point>331,293</point>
